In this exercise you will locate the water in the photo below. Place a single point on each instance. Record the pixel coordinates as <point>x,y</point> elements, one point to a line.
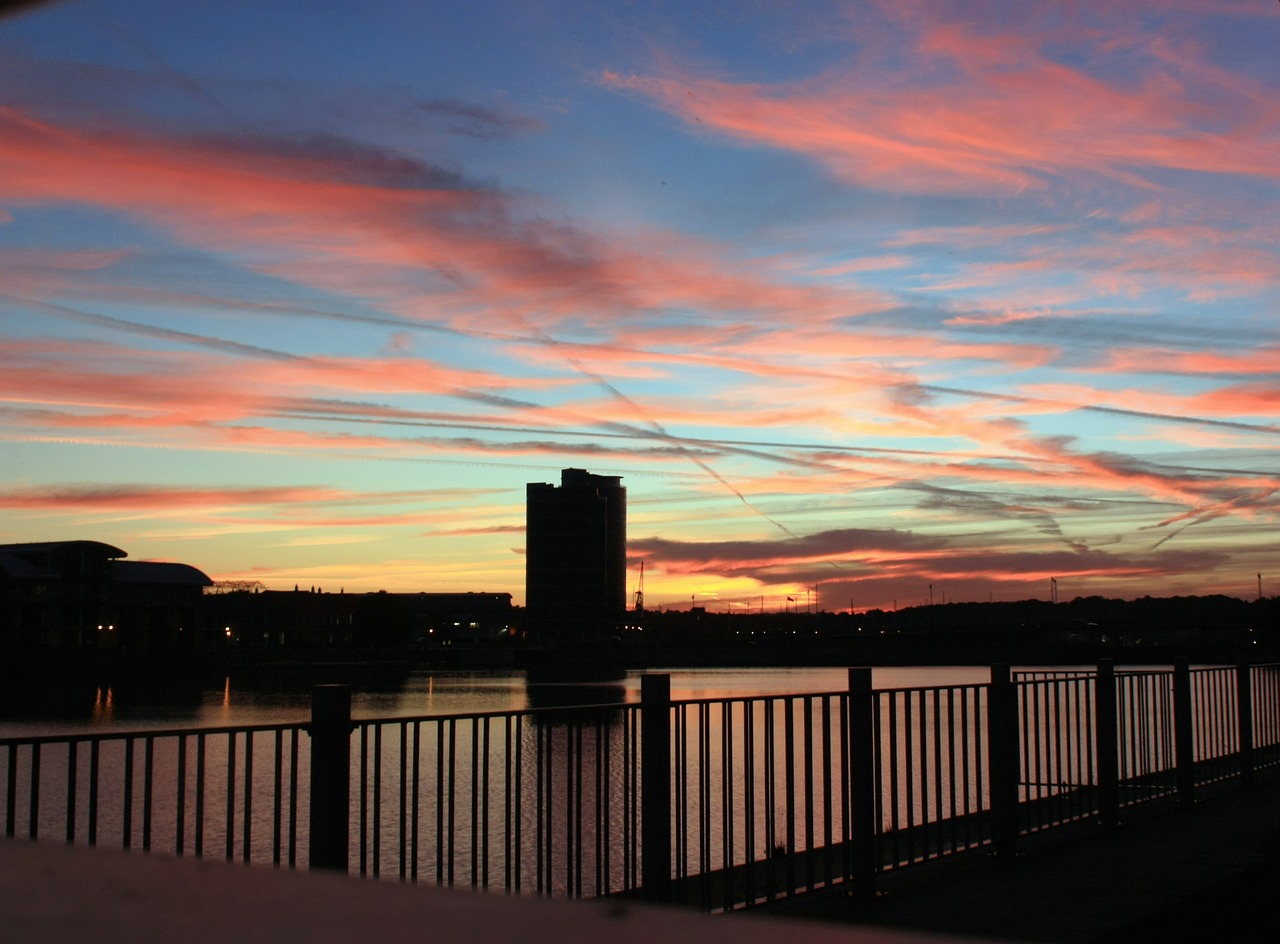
<point>61,708</point>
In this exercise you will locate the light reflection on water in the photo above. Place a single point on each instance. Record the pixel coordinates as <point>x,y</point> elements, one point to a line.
<point>60,708</point>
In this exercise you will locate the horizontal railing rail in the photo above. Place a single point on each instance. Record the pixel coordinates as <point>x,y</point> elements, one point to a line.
<point>720,803</point>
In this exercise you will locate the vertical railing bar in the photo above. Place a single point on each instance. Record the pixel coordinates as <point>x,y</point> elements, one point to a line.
<point>277,800</point>
<point>415,814</point>
<point>475,796</point>
<point>1004,735</point>
<point>726,799</point>
<point>827,818</point>
<point>789,760</point>
<point>846,783</point>
<point>806,706</point>
<point>519,807</point>
<point>938,822</point>
<point>1029,734</point>
<point>892,800</point>
<point>631,815</point>
<point>1244,715</point>
<point>199,828</point>
<point>1074,777</point>
<point>539,733</point>
<point>11,792</point>
<point>375,825</point>
<point>600,809</point>
<point>749,795</point>
<point>93,791</point>
<point>952,793</point>
<point>247,825</point>
<point>484,810</point>
<point>699,821</point>
<point>293,797</point>
<point>981,707</point>
<point>180,811</point>
<point>364,798</point>
<point>709,801</point>
<point>148,770</point>
<point>964,762</point>
<point>681,728</point>
<point>126,827</point>
<point>909,779</point>
<point>770,788</point>
<point>577,809</point>
<point>73,750</point>
<point>877,748</point>
<point>404,800</point>
<point>547,804</point>
<point>453,794</point>
<point>1057,750</point>
<point>33,800</point>
<point>440,800</point>
<point>508,829</point>
<point>230,835</point>
<point>692,818</point>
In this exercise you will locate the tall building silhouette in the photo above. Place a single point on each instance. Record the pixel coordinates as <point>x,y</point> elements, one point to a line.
<point>576,556</point>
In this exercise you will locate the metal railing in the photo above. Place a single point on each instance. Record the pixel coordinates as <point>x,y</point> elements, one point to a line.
<point>182,791</point>
<point>543,801</point>
<point>719,803</point>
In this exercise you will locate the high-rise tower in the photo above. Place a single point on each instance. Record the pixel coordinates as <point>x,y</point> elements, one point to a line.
<point>576,556</point>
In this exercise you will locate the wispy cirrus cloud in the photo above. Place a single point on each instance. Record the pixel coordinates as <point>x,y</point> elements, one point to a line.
<point>283,204</point>
<point>974,119</point>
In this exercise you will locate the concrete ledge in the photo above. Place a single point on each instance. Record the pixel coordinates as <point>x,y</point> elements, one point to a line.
<point>52,892</point>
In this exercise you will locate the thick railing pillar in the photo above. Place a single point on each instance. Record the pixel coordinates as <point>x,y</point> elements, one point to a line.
<point>1244,711</point>
<point>655,787</point>
<point>1183,735</point>
<point>1107,743</point>
<point>1004,757</point>
<point>862,785</point>
<point>330,732</point>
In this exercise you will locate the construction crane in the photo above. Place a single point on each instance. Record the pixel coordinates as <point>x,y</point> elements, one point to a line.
<point>639,605</point>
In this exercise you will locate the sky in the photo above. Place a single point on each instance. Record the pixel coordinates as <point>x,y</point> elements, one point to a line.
<point>869,303</point>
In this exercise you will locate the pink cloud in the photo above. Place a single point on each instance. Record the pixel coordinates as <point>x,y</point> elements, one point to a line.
<point>98,498</point>
<point>350,219</point>
<point>975,118</point>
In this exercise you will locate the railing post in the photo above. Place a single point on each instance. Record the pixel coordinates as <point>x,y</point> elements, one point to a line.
<point>1107,743</point>
<point>1244,711</point>
<point>655,787</point>
<point>1183,741</point>
<point>1004,755</point>
<point>862,785</point>
<point>330,732</point>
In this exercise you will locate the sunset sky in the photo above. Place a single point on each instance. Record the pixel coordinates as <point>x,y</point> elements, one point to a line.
<point>863,300</point>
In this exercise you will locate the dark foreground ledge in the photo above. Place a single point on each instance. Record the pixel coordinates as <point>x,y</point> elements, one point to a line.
<point>51,892</point>
<point>1208,872</point>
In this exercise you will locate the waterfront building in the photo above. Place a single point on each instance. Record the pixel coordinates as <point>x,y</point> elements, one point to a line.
<point>576,557</point>
<point>63,595</point>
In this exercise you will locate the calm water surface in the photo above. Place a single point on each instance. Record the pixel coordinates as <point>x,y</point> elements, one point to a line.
<point>60,709</point>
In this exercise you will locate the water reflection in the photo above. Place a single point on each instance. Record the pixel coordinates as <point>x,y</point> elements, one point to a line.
<point>281,694</point>
<point>104,711</point>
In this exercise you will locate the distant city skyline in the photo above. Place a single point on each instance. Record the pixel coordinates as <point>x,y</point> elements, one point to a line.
<point>865,301</point>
